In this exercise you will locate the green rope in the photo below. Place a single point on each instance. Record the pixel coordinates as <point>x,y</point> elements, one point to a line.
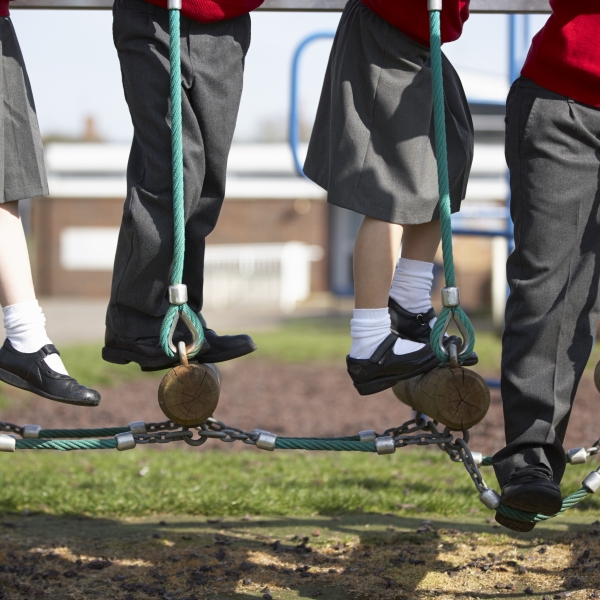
<point>487,461</point>
<point>528,517</point>
<point>178,196</point>
<point>66,445</point>
<point>444,191</point>
<point>81,433</point>
<point>332,444</point>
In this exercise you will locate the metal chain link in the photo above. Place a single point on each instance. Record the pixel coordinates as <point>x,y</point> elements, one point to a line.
<point>11,428</point>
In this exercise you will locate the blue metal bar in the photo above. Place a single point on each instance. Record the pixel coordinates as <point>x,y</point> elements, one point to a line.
<point>294,125</point>
<point>483,232</point>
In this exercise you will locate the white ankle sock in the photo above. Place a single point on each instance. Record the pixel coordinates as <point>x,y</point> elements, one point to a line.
<point>411,286</point>
<point>369,327</point>
<point>25,326</point>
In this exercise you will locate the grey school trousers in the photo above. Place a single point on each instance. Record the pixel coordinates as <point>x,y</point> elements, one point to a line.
<point>212,57</point>
<point>553,153</point>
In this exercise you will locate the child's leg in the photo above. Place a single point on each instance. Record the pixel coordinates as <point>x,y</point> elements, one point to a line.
<point>23,317</point>
<point>375,255</point>
<point>413,276</point>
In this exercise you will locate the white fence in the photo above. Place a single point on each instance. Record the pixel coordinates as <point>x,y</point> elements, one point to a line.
<point>258,274</point>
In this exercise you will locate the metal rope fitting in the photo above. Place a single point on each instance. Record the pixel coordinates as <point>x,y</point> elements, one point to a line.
<point>434,5</point>
<point>178,294</point>
<point>577,456</point>
<point>367,436</point>
<point>137,427</point>
<point>125,441</point>
<point>477,458</point>
<point>592,482</point>
<point>451,297</point>
<point>266,441</point>
<point>195,345</point>
<point>7,443</point>
<point>31,432</point>
<point>466,336</point>
<point>385,445</point>
<point>490,499</point>
<point>176,4</point>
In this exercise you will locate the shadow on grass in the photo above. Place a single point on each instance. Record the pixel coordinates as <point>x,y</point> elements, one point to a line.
<point>351,557</point>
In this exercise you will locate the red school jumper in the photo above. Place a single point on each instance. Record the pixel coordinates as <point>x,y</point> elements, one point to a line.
<point>565,55</point>
<point>411,17</point>
<point>208,11</point>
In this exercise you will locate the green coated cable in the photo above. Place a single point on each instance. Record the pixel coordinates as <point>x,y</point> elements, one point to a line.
<point>66,445</point>
<point>178,182</point>
<point>444,191</point>
<point>331,444</point>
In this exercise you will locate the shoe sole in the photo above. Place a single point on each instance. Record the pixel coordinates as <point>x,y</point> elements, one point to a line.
<point>379,385</point>
<point>124,357</point>
<point>534,503</point>
<point>18,382</point>
<point>513,524</point>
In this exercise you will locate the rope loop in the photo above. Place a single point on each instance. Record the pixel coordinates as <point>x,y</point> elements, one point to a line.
<point>439,112</point>
<point>180,310</point>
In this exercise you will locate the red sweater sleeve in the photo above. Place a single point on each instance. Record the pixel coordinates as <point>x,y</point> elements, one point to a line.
<point>208,11</point>
<point>4,12</point>
<point>412,18</point>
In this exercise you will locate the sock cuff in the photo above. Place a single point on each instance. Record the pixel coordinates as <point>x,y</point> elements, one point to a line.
<point>23,315</point>
<point>415,266</point>
<point>26,307</point>
<point>370,314</point>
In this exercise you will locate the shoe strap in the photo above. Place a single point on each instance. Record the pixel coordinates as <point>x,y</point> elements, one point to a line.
<point>384,348</point>
<point>49,349</point>
<point>424,318</point>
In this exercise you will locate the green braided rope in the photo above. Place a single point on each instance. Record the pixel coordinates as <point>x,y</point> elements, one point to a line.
<point>178,197</point>
<point>444,189</point>
<point>528,517</point>
<point>81,433</point>
<point>332,444</point>
<point>66,445</point>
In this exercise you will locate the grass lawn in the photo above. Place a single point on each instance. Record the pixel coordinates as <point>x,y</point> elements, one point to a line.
<point>145,482</point>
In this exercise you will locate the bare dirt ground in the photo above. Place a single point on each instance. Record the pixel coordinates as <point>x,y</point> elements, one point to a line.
<point>351,557</point>
<point>288,399</point>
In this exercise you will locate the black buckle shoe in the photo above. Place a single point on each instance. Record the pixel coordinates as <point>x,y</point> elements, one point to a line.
<point>148,353</point>
<point>29,371</point>
<point>532,490</point>
<point>415,327</point>
<point>384,369</point>
<point>513,524</point>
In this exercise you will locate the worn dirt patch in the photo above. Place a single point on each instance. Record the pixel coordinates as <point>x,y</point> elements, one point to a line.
<point>378,557</point>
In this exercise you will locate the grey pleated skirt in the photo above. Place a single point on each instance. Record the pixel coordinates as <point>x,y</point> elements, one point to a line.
<point>22,169</point>
<point>373,144</point>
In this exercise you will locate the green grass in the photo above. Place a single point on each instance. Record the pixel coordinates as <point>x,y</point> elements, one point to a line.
<point>250,482</point>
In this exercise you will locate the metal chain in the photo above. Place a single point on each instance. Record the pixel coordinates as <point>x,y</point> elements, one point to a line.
<point>162,426</point>
<point>11,428</point>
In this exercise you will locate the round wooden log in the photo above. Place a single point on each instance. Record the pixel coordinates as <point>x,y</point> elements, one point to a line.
<point>189,394</point>
<point>597,376</point>
<point>458,398</point>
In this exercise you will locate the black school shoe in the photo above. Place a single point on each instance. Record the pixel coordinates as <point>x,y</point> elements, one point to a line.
<point>148,353</point>
<point>532,490</point>
<point>385,369</point>
<point>415,327</point>
<point>29,371</point>
<point>513,524</point>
